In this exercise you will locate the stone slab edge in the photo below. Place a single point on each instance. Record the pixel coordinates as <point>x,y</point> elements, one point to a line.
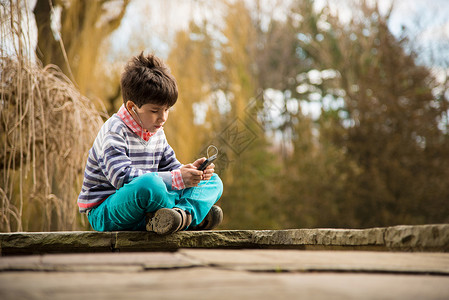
<point>429,238</point>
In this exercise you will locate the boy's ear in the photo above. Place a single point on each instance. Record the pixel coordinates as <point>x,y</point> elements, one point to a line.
<point>129,105</point>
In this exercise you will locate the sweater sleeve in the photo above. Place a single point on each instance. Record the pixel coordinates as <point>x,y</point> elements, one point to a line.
<point>170,167</point>
<point>114,161</point>
<point>168,160</point>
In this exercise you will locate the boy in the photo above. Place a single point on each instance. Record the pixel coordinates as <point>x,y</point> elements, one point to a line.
<point>132,179</point>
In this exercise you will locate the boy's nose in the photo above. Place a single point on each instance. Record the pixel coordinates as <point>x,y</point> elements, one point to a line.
<point>163,117</point>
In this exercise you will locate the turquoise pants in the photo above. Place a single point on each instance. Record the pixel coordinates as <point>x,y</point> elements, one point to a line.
<point>126,208</point>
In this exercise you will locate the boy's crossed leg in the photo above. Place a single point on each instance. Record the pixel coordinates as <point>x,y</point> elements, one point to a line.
<point>145,203</point>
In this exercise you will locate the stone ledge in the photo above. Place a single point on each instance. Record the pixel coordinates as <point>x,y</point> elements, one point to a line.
<point>424,238</point>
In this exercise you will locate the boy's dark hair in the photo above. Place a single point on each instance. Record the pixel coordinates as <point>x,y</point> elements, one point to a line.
<point>146,79</point>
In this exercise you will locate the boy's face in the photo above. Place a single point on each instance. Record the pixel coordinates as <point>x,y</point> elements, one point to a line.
<point>150,116</point>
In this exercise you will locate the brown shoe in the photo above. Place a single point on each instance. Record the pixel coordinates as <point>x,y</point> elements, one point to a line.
<point>213,218</point>
<point>186,219</point>
<point>167,220</point>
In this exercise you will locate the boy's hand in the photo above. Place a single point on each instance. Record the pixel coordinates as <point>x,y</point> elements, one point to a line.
<point>190,175</point>
<point>207,173</point>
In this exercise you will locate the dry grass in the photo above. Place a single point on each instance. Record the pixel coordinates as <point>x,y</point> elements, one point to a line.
<point>46,129</point>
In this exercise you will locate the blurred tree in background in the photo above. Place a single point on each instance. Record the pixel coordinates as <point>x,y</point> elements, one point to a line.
<point>220,77</point>
<point>388,125</point>
<point>70,34</point>
<point>376,153</point>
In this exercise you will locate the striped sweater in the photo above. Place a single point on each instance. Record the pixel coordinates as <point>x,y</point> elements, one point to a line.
<point>118,155</point>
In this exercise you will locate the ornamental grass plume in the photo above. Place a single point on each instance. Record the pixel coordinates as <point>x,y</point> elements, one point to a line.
<point>46,129</point>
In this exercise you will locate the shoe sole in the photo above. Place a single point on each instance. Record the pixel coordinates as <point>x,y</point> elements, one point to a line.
<point>164,221</point>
